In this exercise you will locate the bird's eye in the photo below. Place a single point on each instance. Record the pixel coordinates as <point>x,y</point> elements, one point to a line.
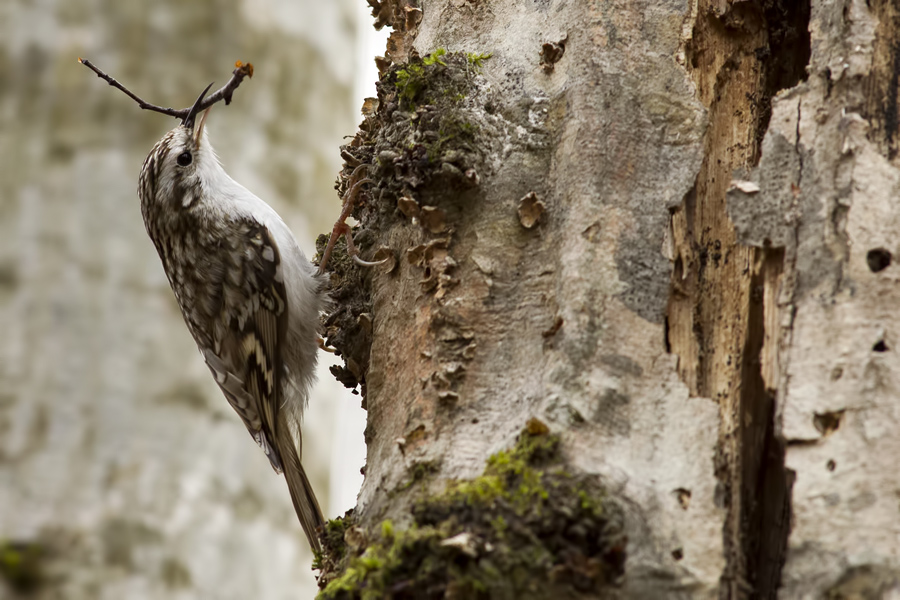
<point>184,159</point>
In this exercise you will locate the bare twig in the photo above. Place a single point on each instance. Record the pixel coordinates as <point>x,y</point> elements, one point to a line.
<point>241,70</point>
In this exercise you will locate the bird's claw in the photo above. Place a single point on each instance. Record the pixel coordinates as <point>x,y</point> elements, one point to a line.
<point>321,342</point>
<point>366,263</point>
<point>341,227</point>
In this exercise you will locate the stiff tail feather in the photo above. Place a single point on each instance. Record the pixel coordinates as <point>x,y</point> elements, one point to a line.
<point>305,503</point>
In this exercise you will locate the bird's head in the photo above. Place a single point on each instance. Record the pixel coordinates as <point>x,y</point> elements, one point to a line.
<point>181,164</point>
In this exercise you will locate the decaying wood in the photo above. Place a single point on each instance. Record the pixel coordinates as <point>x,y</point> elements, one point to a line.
<point>827,180</point>
<point>722,289</point>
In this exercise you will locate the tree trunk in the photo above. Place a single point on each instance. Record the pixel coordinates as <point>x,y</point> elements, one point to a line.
<point>123,471</point>
<point>624,343</point>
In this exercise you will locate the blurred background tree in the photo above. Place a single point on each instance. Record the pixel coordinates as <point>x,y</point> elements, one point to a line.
<point>123,471</point>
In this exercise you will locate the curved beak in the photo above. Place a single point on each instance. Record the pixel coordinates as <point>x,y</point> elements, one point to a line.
<point>192,114</point>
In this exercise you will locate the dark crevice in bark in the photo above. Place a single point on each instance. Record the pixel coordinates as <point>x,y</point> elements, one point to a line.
<point>787,54</point>
<point>741,55</point>
<point>767,484</point>
<point>770,514</point>
<point>890,102</point>
<point>882,85</point>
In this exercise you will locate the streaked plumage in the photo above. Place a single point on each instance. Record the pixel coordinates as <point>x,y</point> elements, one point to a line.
<point>249,296</point>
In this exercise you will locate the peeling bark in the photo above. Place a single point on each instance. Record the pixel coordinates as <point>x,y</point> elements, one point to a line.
<point>827,169</point>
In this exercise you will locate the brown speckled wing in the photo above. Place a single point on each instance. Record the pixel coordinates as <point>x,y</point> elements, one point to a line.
<point>248,320</point>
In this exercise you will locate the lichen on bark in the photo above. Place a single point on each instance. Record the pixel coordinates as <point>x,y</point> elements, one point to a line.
<point>431,130</point>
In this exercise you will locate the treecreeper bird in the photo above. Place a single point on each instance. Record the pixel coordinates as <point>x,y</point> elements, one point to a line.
<point>248,295</point>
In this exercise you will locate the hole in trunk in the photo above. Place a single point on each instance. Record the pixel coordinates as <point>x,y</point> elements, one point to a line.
<point>878,259</point>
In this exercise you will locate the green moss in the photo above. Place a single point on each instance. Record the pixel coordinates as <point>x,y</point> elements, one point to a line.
<point>387,529</point>
<point>369,576</point>
<point>20,565</point>
<point>523,529</point>
<point>435,58</point>
<point>476,59</point>
<point>334,545</point>
<point>410,81</point>
<point>511,475</point>
<point>431,78</point>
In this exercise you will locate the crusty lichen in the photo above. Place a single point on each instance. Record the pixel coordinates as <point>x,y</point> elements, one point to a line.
<point>524,529</point>
<point>425,142</point>
<point>430,110</point>
<point>342,327</point>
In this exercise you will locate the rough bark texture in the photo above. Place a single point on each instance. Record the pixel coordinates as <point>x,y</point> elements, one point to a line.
<point>828,168</point>
<point>664,230</point>
<point>123,471</point>
<point>484,323</point>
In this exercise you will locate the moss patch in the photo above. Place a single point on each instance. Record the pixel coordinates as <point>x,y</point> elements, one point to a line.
<point>524,529</point>
<point>20,565</point>
<point>477,59</point>
<point>334,545</point>
<point>430,115</point>
<point>436,77</point>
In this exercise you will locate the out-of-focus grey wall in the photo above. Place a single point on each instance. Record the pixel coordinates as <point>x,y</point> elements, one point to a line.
<point>123,471</point>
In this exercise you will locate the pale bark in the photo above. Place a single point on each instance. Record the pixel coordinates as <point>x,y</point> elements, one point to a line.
<point>123,471</point>
<point>829,169</point>
<point>696,312</point>
<point>564,322</point>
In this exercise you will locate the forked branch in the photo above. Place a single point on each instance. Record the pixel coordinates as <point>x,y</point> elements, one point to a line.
<point>241,70</point>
